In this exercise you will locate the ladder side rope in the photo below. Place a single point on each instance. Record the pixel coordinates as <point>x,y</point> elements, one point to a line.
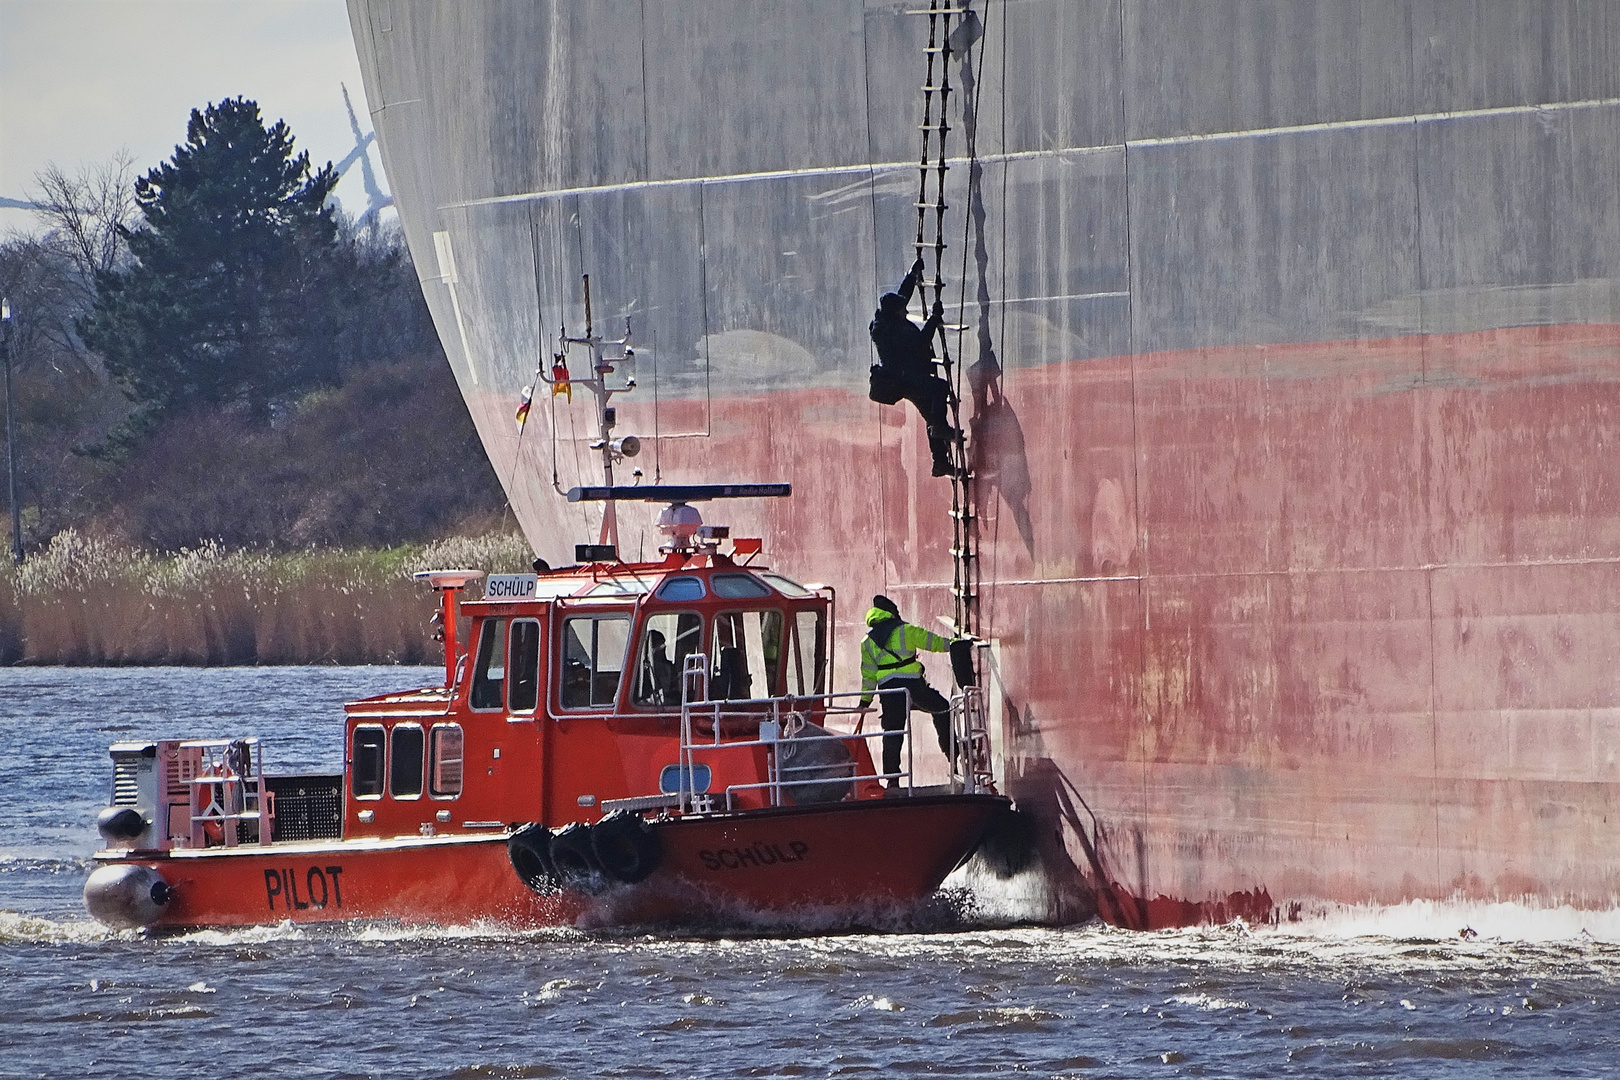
<point>964,527</point>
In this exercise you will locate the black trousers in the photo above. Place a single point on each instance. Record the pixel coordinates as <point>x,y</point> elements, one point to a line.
<point>893,716</point>
<point>932,398</point>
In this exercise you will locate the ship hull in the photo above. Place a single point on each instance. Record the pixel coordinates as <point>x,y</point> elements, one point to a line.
<point>1299,530</point>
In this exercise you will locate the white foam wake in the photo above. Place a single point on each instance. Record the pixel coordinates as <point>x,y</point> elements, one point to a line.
<point>1460,919</point>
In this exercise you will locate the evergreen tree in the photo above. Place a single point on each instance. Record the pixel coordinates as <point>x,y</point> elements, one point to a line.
<point>236,287</point>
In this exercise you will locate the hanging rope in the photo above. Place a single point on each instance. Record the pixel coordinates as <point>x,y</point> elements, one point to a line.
<point>932,166</point>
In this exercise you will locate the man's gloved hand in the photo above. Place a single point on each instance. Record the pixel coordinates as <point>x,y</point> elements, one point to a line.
<point>939,309</point>
<point>917,267</point>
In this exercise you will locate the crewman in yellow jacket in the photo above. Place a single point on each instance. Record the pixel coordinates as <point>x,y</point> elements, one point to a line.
<point>889,663</point>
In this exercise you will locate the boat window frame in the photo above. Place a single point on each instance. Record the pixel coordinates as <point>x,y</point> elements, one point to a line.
<point>539,670</point>
<point>640,642</point>
<point>433,759</point>
<point>421,760</point>
<point>783,631</point>
<point>794,653</point>
<point>627,615</point>
<point>793,590</point>
<point>353,764</point>
<point>500,623</point>
<point>719,585</point>
<point>682,580</point>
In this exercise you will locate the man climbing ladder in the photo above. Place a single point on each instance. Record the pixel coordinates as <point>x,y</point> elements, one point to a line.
<point>905,367</point>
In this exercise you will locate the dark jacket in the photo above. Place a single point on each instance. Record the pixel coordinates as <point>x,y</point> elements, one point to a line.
<point>903,346</point>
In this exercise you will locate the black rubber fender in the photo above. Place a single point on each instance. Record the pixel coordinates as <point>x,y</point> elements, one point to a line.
<point>120,823</point>
<point>626,847</point>
<point>529,849</point>
<point>573,860</point>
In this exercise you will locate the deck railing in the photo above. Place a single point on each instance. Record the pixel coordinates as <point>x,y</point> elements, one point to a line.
<point>782,721</point>
<point>227,790</point>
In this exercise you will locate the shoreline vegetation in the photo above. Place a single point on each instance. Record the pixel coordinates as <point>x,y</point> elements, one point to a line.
<point>85,601</point>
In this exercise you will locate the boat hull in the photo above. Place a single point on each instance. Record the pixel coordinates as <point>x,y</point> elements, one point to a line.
<point>845,861</point>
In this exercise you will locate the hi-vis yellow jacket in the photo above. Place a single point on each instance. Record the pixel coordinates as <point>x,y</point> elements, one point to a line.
<point>898,653</point>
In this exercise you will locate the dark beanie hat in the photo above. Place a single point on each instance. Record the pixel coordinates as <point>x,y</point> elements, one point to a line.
<point>885,604</point>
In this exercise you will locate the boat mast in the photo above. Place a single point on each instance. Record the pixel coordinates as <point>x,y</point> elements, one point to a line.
<point>609,356</point>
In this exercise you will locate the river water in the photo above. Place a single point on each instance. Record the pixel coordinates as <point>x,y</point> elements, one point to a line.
<point>1391,992</point>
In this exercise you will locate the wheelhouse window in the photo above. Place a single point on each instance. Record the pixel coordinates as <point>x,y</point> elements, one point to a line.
<point>681,588</point>
<point>366,758</point>
<point>786,586</point>
<point>405,762</point>
<point>747,655</point>
<point>593,652</point>
<point>445,742</point>
<point>738,586</point>
<point>805,669</point>
<point>489,667</point>
<point>669,638</point>
<point>523,667</point>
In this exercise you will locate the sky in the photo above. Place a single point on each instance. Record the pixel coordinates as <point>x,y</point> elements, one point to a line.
<point>81,79</point>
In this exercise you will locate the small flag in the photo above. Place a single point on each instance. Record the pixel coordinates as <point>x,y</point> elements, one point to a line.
<point>560,383</point>
<point>523,406</point>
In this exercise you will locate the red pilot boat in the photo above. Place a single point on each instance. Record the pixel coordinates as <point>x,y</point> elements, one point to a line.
<point>647,741</point>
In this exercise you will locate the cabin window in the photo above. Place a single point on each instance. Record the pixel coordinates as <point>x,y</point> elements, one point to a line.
<point>738,586</point>
<point>786,586</point>
<point>489,670</point>
<point>698,778</point>
<point>619,586</point>
<point>405,762</point>
<point>669,638</point>
<point>444,761</point>
<point>593,649</point>
<point>681,589</point>
<point>366,761</point>
<point>747,655</point>
<point>523,668</point>
<point>806,665</point>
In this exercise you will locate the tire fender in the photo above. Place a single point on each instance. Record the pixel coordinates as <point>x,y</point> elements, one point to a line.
<point>626,848</point>
<point>529,849</point>
<point>573,860</point>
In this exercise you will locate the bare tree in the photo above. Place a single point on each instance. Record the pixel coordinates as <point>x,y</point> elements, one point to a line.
<point>88,214</point>
<point>86,217</point>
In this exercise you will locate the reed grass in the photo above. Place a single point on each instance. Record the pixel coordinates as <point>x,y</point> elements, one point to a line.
<point>85,600</point>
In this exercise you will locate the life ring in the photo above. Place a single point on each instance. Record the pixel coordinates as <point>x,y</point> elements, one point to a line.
<point>529,849</point>
<point>573,861</point>
<point>626,847</point>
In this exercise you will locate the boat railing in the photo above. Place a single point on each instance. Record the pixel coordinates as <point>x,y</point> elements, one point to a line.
<point>972,762</point>
<point>227,792</point>
<point>783,720</point>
